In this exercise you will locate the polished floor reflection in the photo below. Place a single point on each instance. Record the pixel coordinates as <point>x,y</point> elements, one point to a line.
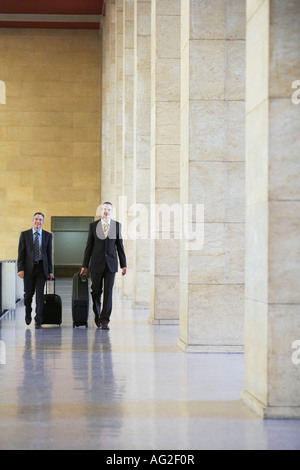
<point>127,389</point>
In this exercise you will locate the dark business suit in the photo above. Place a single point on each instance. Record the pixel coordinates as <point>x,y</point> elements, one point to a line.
<point>102,255</point>
<point>35,275</point>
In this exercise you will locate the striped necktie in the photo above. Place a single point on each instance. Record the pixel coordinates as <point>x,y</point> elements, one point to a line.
<point>36,247</point>
<point>106,229</point>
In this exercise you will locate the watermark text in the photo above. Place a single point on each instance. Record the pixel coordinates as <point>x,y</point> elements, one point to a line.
<point>2,92</point>
<point>2,352</point>
<point>161,222</point>
<point>296,353</point>
<point>296,94</point>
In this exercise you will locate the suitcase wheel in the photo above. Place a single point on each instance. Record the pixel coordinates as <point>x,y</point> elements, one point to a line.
<point>77,325</point>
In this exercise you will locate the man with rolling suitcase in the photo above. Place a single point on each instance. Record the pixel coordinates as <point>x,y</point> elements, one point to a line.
<point>104,247</point>
<point>35,266</point>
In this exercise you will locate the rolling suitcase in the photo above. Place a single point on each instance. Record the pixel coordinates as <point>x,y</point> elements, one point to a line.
<point>52,311</point>
<point>80,300</point>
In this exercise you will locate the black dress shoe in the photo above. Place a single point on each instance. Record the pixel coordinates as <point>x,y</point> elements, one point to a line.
<point>104,326</point>
<point>97,321</point>
<point>38,326</point>
<point>28,320</point>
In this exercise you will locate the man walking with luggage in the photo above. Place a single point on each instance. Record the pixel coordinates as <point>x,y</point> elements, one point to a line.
<point>104,247</point>
<point>35,266</point>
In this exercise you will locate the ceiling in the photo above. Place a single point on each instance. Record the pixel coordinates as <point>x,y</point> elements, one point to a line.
<point>57,14</point>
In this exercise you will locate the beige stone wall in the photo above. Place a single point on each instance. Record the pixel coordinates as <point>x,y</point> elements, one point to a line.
<point>49,128</point>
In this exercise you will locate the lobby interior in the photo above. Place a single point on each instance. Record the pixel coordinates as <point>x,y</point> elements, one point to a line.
<point>182,113</point>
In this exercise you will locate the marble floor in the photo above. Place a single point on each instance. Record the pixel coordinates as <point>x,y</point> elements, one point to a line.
<point>127,389</point>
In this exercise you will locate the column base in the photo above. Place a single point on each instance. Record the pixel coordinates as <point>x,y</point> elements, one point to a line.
<point>210,348</point>
<point>270,412</point>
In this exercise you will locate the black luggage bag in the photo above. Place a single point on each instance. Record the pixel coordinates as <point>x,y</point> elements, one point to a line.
<point>80,300</point>
<point>52,311</point>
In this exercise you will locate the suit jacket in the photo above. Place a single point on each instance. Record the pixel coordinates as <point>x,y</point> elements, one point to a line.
<point>26,253</point>
<point>101,251</point>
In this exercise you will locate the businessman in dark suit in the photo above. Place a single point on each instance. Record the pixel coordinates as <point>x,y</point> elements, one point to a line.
<point>104,247</point>
<point>35,266</point>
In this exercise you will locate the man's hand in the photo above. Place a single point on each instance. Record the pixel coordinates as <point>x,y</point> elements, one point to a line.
<point>84,271</point>
<point>51,277</point>
<point>124,271</point>
<point>21,274</point>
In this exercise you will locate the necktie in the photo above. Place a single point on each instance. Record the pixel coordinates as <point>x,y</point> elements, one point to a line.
<point>36,247</point>
<point>106,227</point>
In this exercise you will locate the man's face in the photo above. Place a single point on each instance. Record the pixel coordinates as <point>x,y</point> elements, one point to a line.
<point>106,212</point>
<point>38,222</point>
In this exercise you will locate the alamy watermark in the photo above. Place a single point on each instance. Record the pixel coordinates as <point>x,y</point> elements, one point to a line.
<point>161,222</point>
<point>296,353</point>
<point>2,353</point>
<point>2,92</point>
<point>296,94</point>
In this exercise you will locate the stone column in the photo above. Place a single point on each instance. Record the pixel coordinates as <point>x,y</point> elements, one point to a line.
<point>165,159</point>
<point>273,209</point>
<point>104,127</point>
<point>108,104</point>
<point>119,102</point>
<point>128,142</point>
<point>212,175</point>
<point>142,151</point>
<point>119,91</point>
<point>111,157</point>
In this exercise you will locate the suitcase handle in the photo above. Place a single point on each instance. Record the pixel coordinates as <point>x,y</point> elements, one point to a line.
<point>83,277</point>
<point>48,280</point>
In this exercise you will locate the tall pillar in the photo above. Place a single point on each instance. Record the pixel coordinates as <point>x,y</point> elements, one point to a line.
<point>105,78</point>
<point>273,209</point>
<point>119,92</point>
<point>165,159</point>
<point>119,44</point>
<point>111,160</point>
<point>142,150</point>
<point>212,174</point>
<point>108,105</point>
<point>128,141</point>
